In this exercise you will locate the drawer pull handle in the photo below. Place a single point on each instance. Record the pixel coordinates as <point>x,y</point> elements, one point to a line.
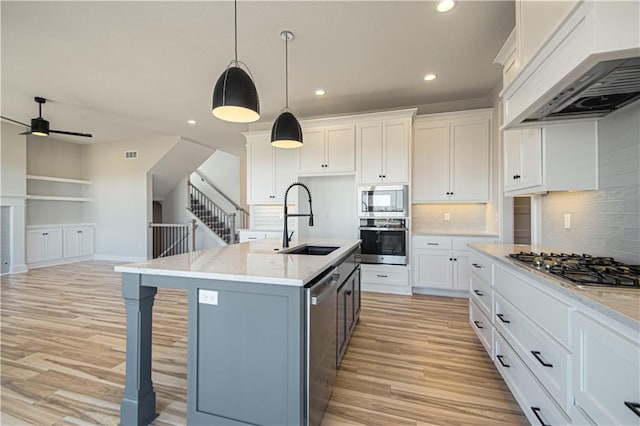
<point>433,244</point>
<point>540,360</point>
<point>535,412</point>
<point>501,317</point>
<point>478,292</point>
<point>475,265</point>
<point>477,323</point>
<point>633,406</point>
<point>501,361</point>
<point>382,276</point>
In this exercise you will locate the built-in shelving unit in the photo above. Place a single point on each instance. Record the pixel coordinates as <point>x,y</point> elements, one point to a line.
<point>42,197</point>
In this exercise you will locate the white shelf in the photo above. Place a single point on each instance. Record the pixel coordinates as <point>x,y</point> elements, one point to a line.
<point>55,198</point>
<point>59,179</point>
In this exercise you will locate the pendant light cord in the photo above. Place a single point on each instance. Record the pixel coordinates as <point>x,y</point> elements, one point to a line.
<point>286,72</point>
<point>235,28</point>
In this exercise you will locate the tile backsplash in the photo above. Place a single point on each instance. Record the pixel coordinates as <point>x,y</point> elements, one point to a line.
<point>462,217</point>
<point>604,222</point>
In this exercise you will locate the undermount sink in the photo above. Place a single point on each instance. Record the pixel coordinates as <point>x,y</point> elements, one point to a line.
<point>310,250</point>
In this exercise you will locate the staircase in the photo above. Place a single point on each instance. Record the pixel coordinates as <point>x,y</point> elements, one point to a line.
<point>223,224</point>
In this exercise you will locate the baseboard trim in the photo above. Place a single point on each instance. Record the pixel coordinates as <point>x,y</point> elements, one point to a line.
<point>112,258</point>
<point>20,269</point>
<point>440,292</point>
<point>390,289</point>
<point>59,262</point>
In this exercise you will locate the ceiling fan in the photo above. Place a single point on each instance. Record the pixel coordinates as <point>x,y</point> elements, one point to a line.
<point>40,127</point>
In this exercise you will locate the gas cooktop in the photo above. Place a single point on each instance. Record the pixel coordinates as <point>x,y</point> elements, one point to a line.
<point>583,269</point>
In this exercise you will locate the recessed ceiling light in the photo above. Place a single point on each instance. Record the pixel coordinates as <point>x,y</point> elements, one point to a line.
<point>192,122</point>
<point>445,6</point>
<point>430,77</point>
<point>320,92</point>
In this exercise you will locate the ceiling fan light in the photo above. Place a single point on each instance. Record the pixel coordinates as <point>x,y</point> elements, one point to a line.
<point>235,97</point>
<point>39,127</point>
<point>286,131</point>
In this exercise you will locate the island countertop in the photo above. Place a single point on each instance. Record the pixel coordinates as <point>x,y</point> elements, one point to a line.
<point>622,304</point>
<point>257,261</point>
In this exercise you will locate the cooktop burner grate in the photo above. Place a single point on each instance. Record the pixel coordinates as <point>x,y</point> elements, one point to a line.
<point>583,269</point>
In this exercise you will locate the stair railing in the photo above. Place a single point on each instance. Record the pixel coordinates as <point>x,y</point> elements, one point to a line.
<point>173,238</point>
<point>216,219</point>
<point>242,216</point>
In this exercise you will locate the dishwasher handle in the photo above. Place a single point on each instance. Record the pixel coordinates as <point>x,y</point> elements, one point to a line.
<point>325,289</point>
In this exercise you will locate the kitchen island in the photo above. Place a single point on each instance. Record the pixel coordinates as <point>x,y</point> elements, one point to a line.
<point>248,329</point>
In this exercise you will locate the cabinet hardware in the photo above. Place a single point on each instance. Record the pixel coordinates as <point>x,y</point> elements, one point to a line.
<point>384,176</point>
<point>477,323</point>
<point>540,360</point>
<point>433,244</point>
<point>381,276</point>
<point>379,176</point>
<point>501,316</point>
<point>478,292</point>
<point>348,292</point>
<point>450,259</point>
<point>501,361</point>
<point>475,265</point>
<point>633,406</point>
<point>516,176</point>
<point>455,259</point>
<point>535,411</point>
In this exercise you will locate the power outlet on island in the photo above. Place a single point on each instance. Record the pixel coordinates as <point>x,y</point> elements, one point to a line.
<point>208,297</point>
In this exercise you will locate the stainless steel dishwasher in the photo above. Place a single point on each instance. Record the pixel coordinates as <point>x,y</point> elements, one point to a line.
<point>321,299</point>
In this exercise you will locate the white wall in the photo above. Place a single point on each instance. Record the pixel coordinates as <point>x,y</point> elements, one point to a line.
<point>334,208</point>
<point>13,171</point>
<point>121,206</point>
<point>224,171</point>
<point>604,222</point>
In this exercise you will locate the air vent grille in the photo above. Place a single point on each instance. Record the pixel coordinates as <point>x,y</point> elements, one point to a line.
<point>131,155</point>
<point>625,79</point>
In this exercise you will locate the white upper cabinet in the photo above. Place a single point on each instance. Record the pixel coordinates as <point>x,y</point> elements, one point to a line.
<point>269,170</point>
<point>384,148</point>
<point>559,157</point>
<point>451,157</point>
<point>328,150</point>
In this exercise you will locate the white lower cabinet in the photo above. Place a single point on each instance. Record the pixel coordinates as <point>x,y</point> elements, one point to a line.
<point>251,235</point>
<point>535,402</point>
<point>385,278</point>
<point>49,245</point>
<point>44,245</point>
<point>482,326</point>
<point>442,262</point>
<point>606,371</point>
<point>78,241</point>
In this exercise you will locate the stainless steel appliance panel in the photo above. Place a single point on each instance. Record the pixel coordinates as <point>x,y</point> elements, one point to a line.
<point>383,242</point>
<point>383,201</point>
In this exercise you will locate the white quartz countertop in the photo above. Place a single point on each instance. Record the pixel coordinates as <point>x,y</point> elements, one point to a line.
<point>257,261</point>
<point>622,304</point>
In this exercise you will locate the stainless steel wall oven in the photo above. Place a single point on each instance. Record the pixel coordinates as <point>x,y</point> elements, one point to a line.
<point>383,241</point>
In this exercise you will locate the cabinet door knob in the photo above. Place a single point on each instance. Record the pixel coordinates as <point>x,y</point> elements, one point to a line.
<point>381,276</point>
<point>384,176</point>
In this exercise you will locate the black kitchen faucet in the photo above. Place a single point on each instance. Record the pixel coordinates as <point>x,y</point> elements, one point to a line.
<point>285,236</point>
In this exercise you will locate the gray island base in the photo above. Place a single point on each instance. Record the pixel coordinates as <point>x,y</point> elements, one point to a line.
<point>248,306</point>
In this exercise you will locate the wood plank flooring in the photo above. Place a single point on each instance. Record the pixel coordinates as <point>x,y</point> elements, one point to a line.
<point>412,360</point>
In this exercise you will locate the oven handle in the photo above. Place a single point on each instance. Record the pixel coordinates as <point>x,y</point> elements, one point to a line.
<point>383,229</point>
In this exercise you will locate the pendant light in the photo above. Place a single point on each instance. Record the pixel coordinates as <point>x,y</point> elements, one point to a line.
<point>286,131</point>
<point>235,97</point>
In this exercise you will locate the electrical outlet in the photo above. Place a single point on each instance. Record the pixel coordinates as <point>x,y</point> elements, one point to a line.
<point>567,221</point>
<point>208,297</point>
<point>447,216</point>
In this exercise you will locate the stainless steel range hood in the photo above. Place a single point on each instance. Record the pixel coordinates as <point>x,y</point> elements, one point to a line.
<point>608,86</point>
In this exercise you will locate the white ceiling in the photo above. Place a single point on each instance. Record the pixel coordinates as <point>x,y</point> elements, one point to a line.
<point>124,70</point>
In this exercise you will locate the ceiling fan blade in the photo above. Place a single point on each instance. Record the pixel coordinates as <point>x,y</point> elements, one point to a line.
<point>86,135</point>
<point>14,121</point>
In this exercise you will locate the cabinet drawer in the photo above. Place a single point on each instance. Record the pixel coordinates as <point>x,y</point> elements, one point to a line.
<point>432,242</point>
<point>547,359</point>
<point>536,404</point>
<point>384,275</point>
<point>482,326</point>
<point>482,293</point>
<point>462,243</point>
<point>548,312</point>
<point>482,267</point>
<point>606,370</point>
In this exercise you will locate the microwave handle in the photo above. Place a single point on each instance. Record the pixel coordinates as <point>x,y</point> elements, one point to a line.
<point>382,229</point>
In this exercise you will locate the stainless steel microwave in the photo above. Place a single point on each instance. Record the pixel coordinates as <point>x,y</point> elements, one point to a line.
<point>383,201</point>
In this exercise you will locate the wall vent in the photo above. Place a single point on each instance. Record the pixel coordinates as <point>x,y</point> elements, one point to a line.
<point>130,155</point>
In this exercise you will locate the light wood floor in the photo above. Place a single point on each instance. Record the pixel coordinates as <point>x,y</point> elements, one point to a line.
<point>412,360</point>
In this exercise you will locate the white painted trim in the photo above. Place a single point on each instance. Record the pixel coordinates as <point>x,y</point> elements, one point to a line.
<point>19,269</point>
<point>60,225</point>
<point>57,198</point>
<point>536,220</point>
<point>59,262</point>
<point>440,292</point>
<point>59,179</point>
<point>12,200</point>
<point>467,114</point>
<point>391,289</point>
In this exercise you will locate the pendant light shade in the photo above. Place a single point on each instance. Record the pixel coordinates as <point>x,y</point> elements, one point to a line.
<point>286,131</point>
<point>235,97</point>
